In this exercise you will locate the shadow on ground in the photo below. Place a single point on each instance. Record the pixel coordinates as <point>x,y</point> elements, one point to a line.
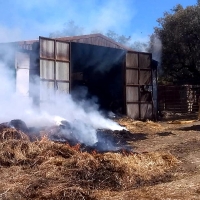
<point>165,133</point>
<point>121,137</point>
<point>190,128</point>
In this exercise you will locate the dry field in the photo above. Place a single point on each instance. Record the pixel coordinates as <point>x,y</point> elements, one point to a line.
<point>165,164</point>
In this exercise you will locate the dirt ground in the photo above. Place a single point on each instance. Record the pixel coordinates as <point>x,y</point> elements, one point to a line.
<point>180,137</point>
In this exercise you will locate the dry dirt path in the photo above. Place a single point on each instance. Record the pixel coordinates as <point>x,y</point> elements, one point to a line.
<point>183,141</point>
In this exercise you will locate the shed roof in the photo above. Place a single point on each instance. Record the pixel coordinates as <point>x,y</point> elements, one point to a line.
<point>94,39</point>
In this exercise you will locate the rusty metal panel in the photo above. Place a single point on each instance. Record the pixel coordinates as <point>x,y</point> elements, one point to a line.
<point>144,60</point>
<point>146,110</point>
<point>145,77</point>
<point>46,90</point>
<point>132,94</point>
<point>62,51</point>
<point>133,110</point>
<point>62,88</point>
<point>47,48</point>
<point>54,69</point>
<point>131,76</point>
<point>132,60</point>
<point>138,85</point>
<point>46,69</point>
<point>62,71</point>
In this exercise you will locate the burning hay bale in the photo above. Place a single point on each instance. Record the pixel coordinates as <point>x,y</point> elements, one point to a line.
<point>15,129</point>
<point>45,169</point>
<point>49,170</point>
<point>11,133</point>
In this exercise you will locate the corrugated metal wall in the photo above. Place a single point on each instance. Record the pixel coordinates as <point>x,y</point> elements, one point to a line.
<point>22,66</point>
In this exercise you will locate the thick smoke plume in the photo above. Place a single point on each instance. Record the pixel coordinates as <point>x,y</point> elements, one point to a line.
<point>83,116</point>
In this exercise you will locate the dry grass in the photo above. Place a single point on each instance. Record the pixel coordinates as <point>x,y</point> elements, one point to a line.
<point>47,170</point>
<point>139,126</point>
<point>182,121</point>
<point>11,133</point>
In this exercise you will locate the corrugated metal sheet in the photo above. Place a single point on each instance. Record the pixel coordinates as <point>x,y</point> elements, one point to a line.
<point>131,76</point>
<point>22,65</point>
<point>22,82</point>
<point>62,71</point>
<point>47,48</point>
<point>132,94</point>
<point>132,60</point>
<point>62,51</point>
<point>46,90</point>
<point>54,69</point>
<point>22,60</point>
<point>146,110</point>
<point>133,111</point>
<point>95,39</point>
<point>139,85</point>
<point>46,69</point>
<point>144,60</point>
<point>62,88</point>
<point>145,77</point>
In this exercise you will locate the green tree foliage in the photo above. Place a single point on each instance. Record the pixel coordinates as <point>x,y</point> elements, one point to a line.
<point>179,31</point>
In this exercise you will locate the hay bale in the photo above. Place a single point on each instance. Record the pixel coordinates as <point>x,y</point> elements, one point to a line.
<point>12,134</point>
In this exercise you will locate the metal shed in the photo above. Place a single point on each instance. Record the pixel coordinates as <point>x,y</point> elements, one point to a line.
<point>123,80</point>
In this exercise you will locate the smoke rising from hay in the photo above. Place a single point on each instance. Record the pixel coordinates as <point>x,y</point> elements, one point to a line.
<point>83,116</point>
<point>156,48</point>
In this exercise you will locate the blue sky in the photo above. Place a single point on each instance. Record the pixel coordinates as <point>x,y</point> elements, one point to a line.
<point>27,19</point>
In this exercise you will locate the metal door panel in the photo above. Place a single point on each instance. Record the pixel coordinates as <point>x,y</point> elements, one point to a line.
<point>62,51</point>
<point>46,69</point>
<point>132,94</point>
<point>132,60</point>
<point>62,71</point>
<point>138,85</point>
<point>46,91</point>
<point>133,110</point>
<point>62,88</point>
<point>54,68</point>
<point>144,60</point>
<point>47,48</point>
<point>131,76</point>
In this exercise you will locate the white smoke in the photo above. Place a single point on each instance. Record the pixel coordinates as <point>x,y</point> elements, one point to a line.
<point>84,116</point>
<point>156,49</point>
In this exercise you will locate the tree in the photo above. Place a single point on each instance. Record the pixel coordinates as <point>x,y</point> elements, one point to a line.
<point>122,39</point>
<point>179,31</point>
<point>140,46</point>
